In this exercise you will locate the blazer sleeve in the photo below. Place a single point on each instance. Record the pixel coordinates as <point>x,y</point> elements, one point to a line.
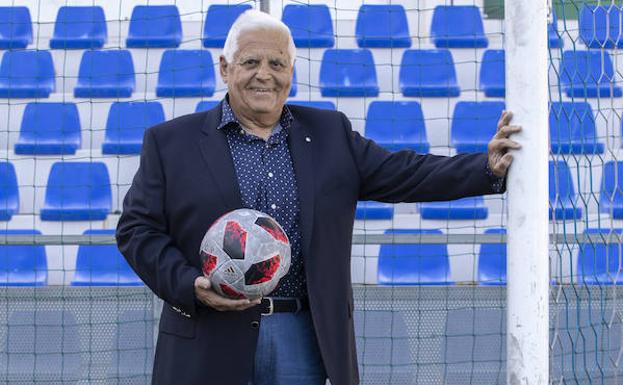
<point>405,176</point>
<point>142,234</point>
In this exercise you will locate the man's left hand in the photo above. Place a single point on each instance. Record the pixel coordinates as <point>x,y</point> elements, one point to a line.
<point>499,157</point>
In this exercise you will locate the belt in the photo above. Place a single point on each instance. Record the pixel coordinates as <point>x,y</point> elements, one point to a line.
<point>271,305</point>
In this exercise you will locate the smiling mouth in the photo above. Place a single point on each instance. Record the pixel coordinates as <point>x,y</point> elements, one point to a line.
<point>262,90</point>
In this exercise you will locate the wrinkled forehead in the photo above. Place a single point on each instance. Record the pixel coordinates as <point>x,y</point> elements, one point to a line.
<point>264,42</point>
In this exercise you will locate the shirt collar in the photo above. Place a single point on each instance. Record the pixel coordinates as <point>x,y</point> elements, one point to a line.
<point>228,117</point>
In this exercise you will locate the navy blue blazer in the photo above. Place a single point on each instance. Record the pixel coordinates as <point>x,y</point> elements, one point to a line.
<point>186,180</point>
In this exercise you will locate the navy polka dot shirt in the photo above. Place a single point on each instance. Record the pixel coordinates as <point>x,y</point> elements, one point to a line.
<point>267,183</point>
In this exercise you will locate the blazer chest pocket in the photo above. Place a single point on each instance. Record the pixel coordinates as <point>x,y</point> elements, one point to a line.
<point>175,322</point>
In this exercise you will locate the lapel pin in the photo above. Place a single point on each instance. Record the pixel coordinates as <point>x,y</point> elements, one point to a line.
<point>307,139</point>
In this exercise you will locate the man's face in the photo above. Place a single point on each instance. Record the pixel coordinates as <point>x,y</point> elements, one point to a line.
<point>260,76</point>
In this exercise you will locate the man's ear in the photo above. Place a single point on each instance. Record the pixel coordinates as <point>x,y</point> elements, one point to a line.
<point>223,68</point>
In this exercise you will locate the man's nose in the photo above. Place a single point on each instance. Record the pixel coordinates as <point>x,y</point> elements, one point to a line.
<point>263,71</point>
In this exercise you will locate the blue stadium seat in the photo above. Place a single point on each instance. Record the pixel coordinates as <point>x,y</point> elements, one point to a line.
<point>105,74</point>
<point>562,198</point>
<point>313,103</point>
<point>397,126</point>
<point>23,265</point>
<point>383,348</point>
<point>474,124</point>
<point>598,263</point>
<point>586,74</point>
<point>572,129</point>
<point>311,25</point>
<point>154,26</point>
<point>456,26</point>
<point>467,208</point>
<point>418,264</point>
<point>492,79</point>
<point>132,348</point>
<point>218,20</point>
<point>49,128</point>
<point>103,265</point>
<point>77,191</point>
<point>26,74</point>
<point>15,27</point>
<point>428,73</point>
<point>9,196</point>
<point>492,261</point>
<point>185,73</point>
<point>206,105</point>
<point>382,26</point>
<point>553,36</point>
<point>348,72</point>
<point>126,126</point>
<point>611,192</point>
<point>371,210</point>
<point>600,26</point>
<point>293,86</point>
<point>41,347</point>
<point>79,27</point>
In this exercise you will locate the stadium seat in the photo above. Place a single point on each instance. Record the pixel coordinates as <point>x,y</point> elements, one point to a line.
<point>105,74</point>
<point>311,25</point>
<point>474,124</point>
<point>382,26</point>
<point>206,105</point>
<point>15,27</point>
<point>417,264</point>
<point>293,87</point>
<point>23,265</point>
<point>456,26</point>
<point>79,28</point>
<point>132,348</point>
<point>49,128</point>
<point>492,262</point>
<point>26,74</point>
<point>103,265</point>
<point>611,191</point>
<point>185,73</point>
<point>492,78</point>
<point>154,26</point>
<point>428,73</point>
<point>397,126</point>
<point>588,74</point>
<point>470,208</point>
<point>313,103</point>
<point>383,348</point>
<point>41,347</point>
<point>599,263</point>
<point>126,126</point>
<point>600,26</point>
<point>553,36</point>
<point>572,129</point>
<point>348,72</point>
<point>218,21</point>
<point>371,210</point>
<point>9,196</point>
<point>562,198</point>
<point>77,191</point>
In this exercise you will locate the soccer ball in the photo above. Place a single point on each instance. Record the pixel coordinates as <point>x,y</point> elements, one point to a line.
<point>244,254</point>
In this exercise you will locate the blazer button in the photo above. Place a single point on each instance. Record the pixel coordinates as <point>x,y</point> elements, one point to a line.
<point>255,324</point>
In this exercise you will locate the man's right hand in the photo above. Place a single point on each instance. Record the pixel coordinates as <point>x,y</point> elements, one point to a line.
<point>207,296</point>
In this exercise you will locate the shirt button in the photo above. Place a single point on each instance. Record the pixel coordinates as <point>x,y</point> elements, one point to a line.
<point>273,206</point>
<point>242,132</point>
<point>270,174</point>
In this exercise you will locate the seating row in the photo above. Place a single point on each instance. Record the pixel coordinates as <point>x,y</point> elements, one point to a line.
<point>398,264</point>
<point>564,203</point>
<point>343,73</point>
<point>54,128</point>
<point>379,26</point>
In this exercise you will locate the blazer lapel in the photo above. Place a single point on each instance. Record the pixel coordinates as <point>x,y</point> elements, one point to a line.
<point>301,144</point>
<point>216,154</point>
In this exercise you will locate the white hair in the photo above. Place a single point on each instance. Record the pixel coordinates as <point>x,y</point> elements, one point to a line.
<point>252,20</point>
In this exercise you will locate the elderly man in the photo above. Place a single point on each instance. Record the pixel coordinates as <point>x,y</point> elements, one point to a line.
<point>307,169</point>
